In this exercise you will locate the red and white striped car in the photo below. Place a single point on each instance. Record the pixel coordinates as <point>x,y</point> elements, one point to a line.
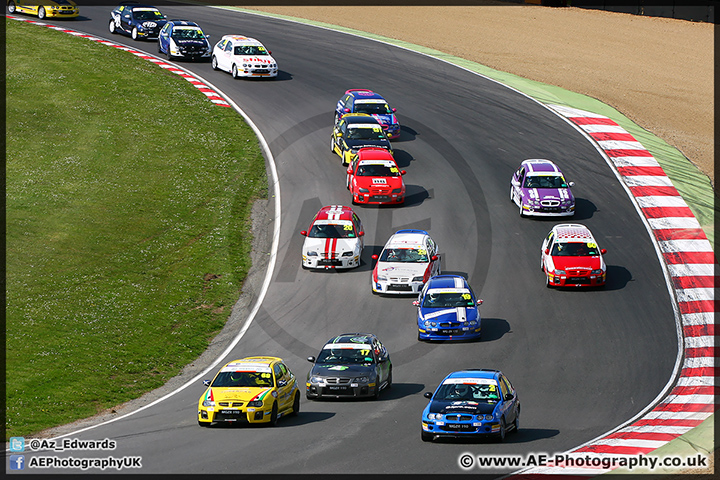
<point>334,239</point>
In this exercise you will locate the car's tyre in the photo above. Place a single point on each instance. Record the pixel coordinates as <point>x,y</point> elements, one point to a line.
<point>547,282</point>
<point>389,380</point>
<point>203,424</point>
<point>11,7</point>
<point>347,182</point>
<point>234,71</point>
<point>512,199</point>
<point>296,405</point>
<point>213,63</point>
<point>503,431</point>
<point>274,415</point>
<point>516,422</point>
<point>426,437</point>
<point>111,26</point>
<point>41,13</point>
<point>376,393</point>
<point>134,33</point>
<point>521,211</point>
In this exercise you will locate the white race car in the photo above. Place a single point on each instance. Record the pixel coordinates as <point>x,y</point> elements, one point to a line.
<point>408,260</point>
<point>243,57</point>
<point>334,240</point>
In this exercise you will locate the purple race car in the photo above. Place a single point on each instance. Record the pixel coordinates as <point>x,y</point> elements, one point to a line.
<point>539,188</point>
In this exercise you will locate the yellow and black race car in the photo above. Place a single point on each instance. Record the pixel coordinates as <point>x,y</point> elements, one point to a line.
<point>250,390</point>
<point>354,131</point>
<point>45,8</point>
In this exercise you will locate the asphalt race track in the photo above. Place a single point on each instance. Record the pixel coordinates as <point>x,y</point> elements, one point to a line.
<point>583,362</point>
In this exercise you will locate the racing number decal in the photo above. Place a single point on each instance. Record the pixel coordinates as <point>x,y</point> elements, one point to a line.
<point>394,169</point>
<point>347,227</point>
<point>592,245</point>
<point>422,251</point>
<point>466,296</point>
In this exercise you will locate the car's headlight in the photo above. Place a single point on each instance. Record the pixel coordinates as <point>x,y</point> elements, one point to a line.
<point>472,323</point>
<point>488,417</point>
<point>597,272</point>
<point>427,323</point>
<point>354,150</point>
<point>312,254</point>
<point>347,254</point>
<point>559,272</point>
<point>255,403</point>
<point>246,65</point>
<point>382,279</point>
<point>363,190</point>
<point>397,190</point>
<point>316,380</point>
<point>208,403</point>
<point>434,416</point>
<point>418,279</point>
<point>362,380</point>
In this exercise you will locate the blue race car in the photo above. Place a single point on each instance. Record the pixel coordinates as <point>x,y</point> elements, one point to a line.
<point>183,39</point>
<point>447,310</point>
<point>471,403</point>
<point>358,100</point>
<point>138,21</point>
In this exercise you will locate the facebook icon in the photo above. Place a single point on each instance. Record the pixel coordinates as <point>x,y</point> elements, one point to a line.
<point>17,462</point>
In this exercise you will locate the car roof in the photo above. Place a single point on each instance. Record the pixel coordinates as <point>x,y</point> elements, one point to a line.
<point>359,118</point>
<point>447,281</point>
<point>135,6</point>
<point>539,165</point>
<point>474,373</point>
<point>242,39</point>
<point>335,212</point>
<point>407,238</point>
<point>183,22</point>
<point>363,93</point>
<point>375,153</point>
<point>351,337</point>
<point>572,232</point>
<point>259,361</point>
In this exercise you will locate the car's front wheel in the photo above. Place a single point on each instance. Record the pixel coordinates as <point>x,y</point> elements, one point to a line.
<point>111,26</point>
<point>134,33</point>
<point>274,415</point>
<point>213,63</point>
<point>512,197</point>
<point>11,7</point>
<point>41,13</point>
<point>235,71</point>
<point>503,431</point>
<point>296,404</point>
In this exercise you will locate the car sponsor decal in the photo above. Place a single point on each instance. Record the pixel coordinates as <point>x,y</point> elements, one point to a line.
<point>260,396</point>
<point>351,346</point>
<point>338,367</point>
<point>374,126</point>
<point>379,181</point>
<point>369,100</point>
<point>245,367</point>
<point>470,381</point>
<point>213,95</point>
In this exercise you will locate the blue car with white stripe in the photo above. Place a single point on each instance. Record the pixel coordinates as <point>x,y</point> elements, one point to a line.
<point>471,403</point>
<point>360,100</point>
<point>447,309</point>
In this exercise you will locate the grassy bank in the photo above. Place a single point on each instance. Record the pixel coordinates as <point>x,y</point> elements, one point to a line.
<point>128,233</point>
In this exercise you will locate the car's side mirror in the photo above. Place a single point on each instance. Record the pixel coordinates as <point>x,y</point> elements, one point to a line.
<point>403,172</point>
<point>603,251</point>
<point>509,396</point>
<point>269,52</point>
<point>338,134</point>
<point>375,256</point>
<point>361,233</point>
<point>547,251</point>
<point>311,359</point>
<point>571,184</point>
<point>434,258</point>
<point>346,110</point>
<point>416,303</point>
<point>394,110</point>
<point>480,301</point>
<point>282,383</point>
<point>427,395</point>
<point>206,383</point>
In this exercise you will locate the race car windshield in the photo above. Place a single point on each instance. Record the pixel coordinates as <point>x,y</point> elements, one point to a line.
<point>404,255</point>
<point>365,133</point>
<point>344,356</point>
<point>187,33</point>
<point>250,50</point>
<point>475,393</point>
<point>243,379</point>
<point>147,15</point>
<point>377,171</point>
<point>373,108</point>
<point>447,300</point>
<point>332,231</point>
<point>574,249</point>
<point>545,181</point>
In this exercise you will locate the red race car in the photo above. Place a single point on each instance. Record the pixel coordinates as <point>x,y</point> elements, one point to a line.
<point>374,178</point>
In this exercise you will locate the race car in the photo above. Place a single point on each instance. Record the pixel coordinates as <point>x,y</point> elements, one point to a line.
<point>250,390</point>
<point>447,309</point>
<point>138,21</point>
<point>335,239</point>
<point>45,8</point>
<point>350,365</point>
<point>539,188</point>
<point>570,257</point>
<point>358,100</point>
<point>183,39</point>
<point>355,131</point>
<point>471,403</point>
<point>374,178</point>
<point>243,57</point>
<point>408,260</point>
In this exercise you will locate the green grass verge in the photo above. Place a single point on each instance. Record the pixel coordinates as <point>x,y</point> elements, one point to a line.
<point>128,225</point>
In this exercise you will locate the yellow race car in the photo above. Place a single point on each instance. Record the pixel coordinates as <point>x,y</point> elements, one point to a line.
<point>250,390</point>
<point>45,8</point>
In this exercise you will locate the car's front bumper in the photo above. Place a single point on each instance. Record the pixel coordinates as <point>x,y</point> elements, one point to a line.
<point>220,414</point>
<point>379,199</point>
<point>312,261</point>
<point>461,428</point>
<point>535,211</point>
<point>392,288</point>
<point>442,333</point>
<point>348,390</point>
<point>592,280</point>
<point>61,13</point>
